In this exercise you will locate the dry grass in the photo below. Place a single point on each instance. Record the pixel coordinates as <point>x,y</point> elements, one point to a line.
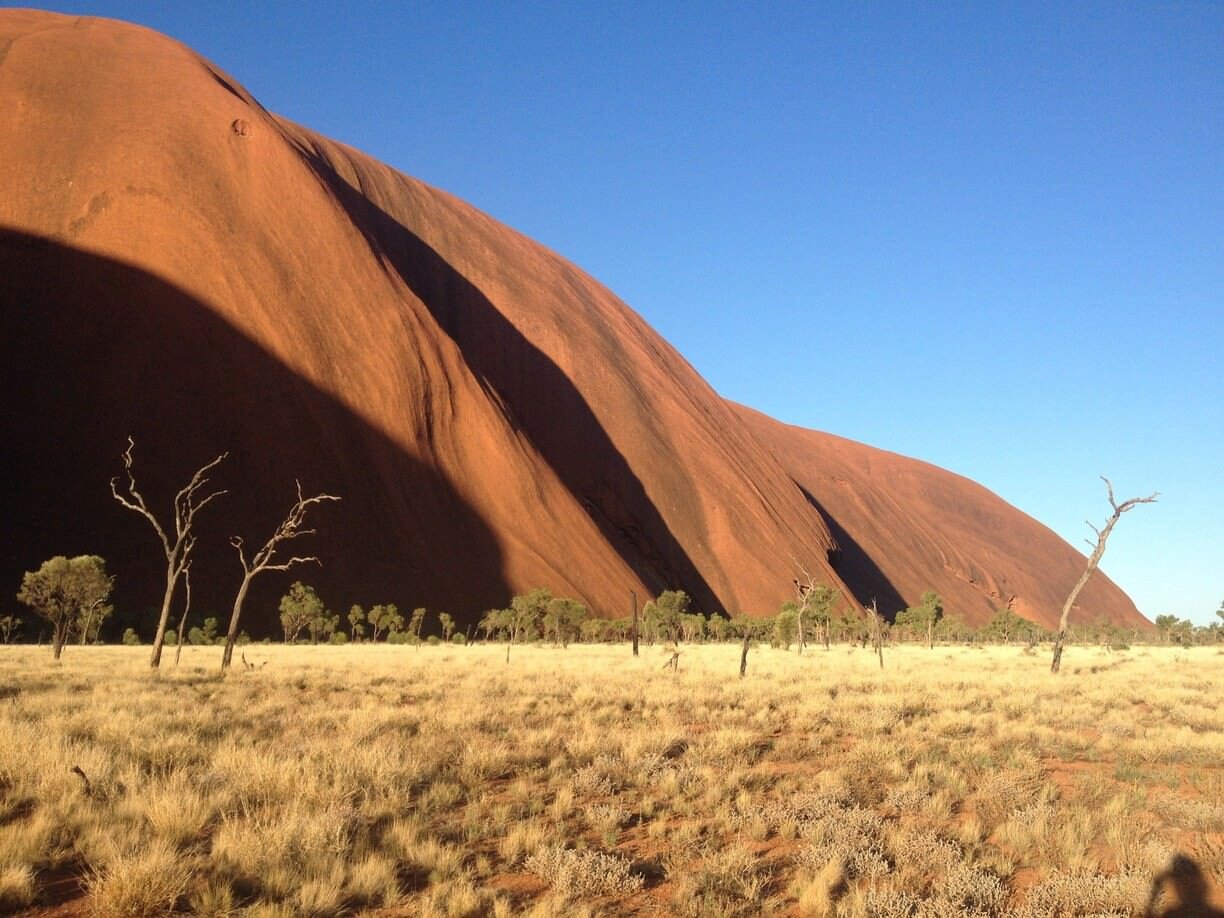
<point>442,781</point>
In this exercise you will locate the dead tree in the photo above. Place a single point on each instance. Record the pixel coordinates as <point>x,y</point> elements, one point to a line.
<point>744,650</point>
<point>178,648</point>
<point>187,503</point>
<point>801,598</point>
<point>97,607</point>
<point>877,632</point>
<point>265,560</point>
<point>1093,560</point>
<point>633,596</point>
<point>805,593</point>
<point>801,594</point>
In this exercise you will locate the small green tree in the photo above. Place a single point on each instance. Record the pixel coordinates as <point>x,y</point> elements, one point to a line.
<point>922,617</point>
<point>619,629</point>
<point>205,635</point>
<point>650,621</point>
<point>852,627</point>
<point>563,617</point>
<point>415,623</point>
<point>493,622</point>
<point>528,612</point>
<point>594,630</point>
<point>1164,626</point>
<point>953,628</point>
<point>90,620</point>
<point>448,625</point>
<point>786,627</point>
<point>554,611</point>
<point>393,620</point>
<point>1006,625</point>
<point>819,602</point>
<point>323,626</point>
<point>1182,632</point>
<point>380,617</point>
<point>356,620</point>
<point>61,589</point>
<point>298,608</point>
<point>525,617</point>
<point>693,627</point>
<point>9,625</point>
<point>670,606</point>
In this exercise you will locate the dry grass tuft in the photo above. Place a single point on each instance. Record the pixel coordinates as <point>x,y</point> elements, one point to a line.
<point>956,782</point>
<point>1064,895</point>
<point>145,882</point>
<point>16,887</point>
<point>578,874</point>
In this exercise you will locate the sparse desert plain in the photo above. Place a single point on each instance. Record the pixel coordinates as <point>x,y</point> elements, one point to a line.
<point>441,780</point>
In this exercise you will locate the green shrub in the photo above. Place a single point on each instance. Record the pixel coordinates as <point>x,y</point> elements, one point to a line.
<point>458,638</point>
<point>130,637</point>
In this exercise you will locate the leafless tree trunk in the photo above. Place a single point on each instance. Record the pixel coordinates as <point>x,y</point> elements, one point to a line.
<point>801,592</point>
<point>178,647</point>
<point>635,622</point>
<point>1093,560</point>
<point>93,610</point>
<point>514,633</point>
<point>187,503</point>
<point>799,618</point>
<point>265,560</point>
<point>877,636</point>
<point>744,651</point>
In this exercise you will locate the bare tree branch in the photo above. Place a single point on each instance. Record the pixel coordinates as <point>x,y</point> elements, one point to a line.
<point>1093,560</point>
<point>265,558</point>
<point>285,565</point>
<point>187,503</point>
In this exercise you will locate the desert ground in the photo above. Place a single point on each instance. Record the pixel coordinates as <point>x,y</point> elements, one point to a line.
<point>444,780</point>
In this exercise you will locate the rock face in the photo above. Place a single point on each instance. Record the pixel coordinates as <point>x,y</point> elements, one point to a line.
<point>179,265</point>
<point>900,523</point>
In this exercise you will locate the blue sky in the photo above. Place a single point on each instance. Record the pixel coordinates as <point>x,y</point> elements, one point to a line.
<point>990,236</point>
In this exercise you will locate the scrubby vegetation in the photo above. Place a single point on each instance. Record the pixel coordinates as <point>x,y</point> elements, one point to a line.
<point>442,780</point>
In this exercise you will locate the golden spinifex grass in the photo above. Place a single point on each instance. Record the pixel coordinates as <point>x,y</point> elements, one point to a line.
<point>442,780</point>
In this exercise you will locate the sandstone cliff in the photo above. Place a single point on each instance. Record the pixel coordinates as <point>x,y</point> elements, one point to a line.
<point>183,266</point>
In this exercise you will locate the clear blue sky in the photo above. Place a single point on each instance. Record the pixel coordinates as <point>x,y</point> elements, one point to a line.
<point>988,235</point>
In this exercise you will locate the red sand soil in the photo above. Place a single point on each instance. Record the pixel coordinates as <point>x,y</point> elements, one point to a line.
<point>179,264</point>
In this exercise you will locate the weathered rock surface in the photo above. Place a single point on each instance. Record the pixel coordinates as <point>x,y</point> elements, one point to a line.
<point>180,265</point>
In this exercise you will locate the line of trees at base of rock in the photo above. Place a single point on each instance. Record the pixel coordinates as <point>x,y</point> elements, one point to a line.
<point>71,595</point>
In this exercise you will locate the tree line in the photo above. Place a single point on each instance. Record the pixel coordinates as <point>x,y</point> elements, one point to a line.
<point>71,594</point>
